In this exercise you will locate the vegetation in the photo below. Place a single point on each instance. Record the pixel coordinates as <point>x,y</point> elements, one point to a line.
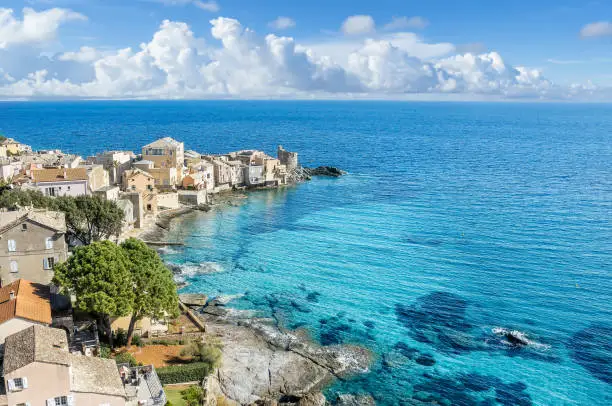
<point>126,358</point>
<point>137,341</point>
<point>194,372</point>
<point>2,137</point>
<point>193,395</point>
<point>98,275</point>
<point>167,342</point>
<point>207,352</point>
<point>88,218</point>
<point>105,351</point>
<point>154,288</point>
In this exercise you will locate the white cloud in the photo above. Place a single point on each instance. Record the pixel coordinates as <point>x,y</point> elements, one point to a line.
<point>400,23</point>
<point>83,55</point>
<point>211,6</point>
<point>358,25</point>
<point>282,23</point>
<point>35,27</point>
<point>598,29</point>
<point>239,63</point>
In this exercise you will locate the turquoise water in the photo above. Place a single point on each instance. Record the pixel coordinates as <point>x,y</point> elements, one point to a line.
<point>454,220</point>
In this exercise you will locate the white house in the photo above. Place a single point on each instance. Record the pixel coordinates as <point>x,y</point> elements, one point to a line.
<point>61,181</point>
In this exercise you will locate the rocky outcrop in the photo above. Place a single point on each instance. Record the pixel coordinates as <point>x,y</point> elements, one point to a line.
<point>354,400</point>
<point>261,363</point>
<point>324,171</point>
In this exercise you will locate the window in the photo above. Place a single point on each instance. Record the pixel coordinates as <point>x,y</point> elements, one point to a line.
<point>49,243</point>
<point>61,401</point>
<point>24,226</point>
<point>148,207</point>
<point>17,384</point>
<point>48,263</point>
<point>50,191</point>
<point>12,245</point>
<point>14,267</point>
<point>69,188</point>
<point>133,187</point>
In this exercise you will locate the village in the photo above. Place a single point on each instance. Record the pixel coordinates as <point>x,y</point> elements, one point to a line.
<point>79,325</point>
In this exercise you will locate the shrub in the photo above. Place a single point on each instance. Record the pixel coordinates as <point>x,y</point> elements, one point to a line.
<point>167,342</point>
<point>193,395</point>
<point>120,338</point>
<point>105,351</point>
<point>195,371</point>
<point>125,358</point>
<point>137,341</point>
<point>208,352</point>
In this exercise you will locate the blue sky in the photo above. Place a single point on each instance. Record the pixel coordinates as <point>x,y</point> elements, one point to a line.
<point>541,34</point>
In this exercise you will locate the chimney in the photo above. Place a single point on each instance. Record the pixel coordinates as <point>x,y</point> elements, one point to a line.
<point>12,294</point>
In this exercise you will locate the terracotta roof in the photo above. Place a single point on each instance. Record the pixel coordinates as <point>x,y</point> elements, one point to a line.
<point>59,174</point>
<point>31,302</point>
<point>133,172</point>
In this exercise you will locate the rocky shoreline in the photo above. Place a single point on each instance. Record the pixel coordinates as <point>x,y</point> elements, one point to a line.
<point>262,364</point>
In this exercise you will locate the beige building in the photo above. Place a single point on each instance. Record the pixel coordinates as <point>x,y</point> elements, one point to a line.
<point>40,371</point>
<point>12,147</point>
<point>97,177</point>
<point>137,180</point>
<point>168,157</point>
<point>115,162</point>
<point>31,242</point>
<point>23,304</point>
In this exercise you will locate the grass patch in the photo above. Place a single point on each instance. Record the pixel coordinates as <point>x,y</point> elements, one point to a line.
<point>173,394</point>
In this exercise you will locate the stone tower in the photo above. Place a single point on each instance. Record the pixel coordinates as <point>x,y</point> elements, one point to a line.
<point>289,159</point>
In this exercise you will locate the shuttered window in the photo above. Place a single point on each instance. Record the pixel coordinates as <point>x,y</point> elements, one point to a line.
<point>14,266</point>
<point>12,245</point>
<point>49,243</point>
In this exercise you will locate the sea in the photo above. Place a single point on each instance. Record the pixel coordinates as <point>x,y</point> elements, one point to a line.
<point>469,245</point>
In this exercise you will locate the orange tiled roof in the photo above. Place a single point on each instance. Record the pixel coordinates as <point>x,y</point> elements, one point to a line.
<point>59,174</point>
<point>31,302</point>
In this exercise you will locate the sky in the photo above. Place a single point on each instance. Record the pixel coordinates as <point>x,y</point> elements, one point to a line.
<point>359,49</point>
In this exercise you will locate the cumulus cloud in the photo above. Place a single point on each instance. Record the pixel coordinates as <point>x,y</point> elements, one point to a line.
<point>34,27</point>
<point>282,23</point>
<point>83,55</point>
<point>237,62</point>
<point>597,29</point>
<point>400,23</point>
<point>358,25</point>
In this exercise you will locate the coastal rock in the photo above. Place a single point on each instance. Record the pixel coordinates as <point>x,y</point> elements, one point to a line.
<point>331,171</point>
<point>193,299</point>
<point>260,362</point>
<point>354,400</point>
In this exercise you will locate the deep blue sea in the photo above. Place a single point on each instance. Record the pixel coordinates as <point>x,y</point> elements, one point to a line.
<point>455,220</point>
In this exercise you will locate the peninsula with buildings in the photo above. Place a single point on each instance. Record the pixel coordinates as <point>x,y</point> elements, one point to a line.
<point>89,315</point>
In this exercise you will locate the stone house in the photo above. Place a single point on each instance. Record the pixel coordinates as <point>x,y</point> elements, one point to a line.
<point>13,147</point>
<point>23,304</point>
<point>137,180</point>
<point>31,242</point>
<point>110,192</point>
<point>166,154</point>
<point>40,370</point>
<point>61,181</point>
<point>115,162</point>
<point>97,177</point>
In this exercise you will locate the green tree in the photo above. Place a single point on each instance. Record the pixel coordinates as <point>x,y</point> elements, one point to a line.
<point>98,275</point>
<point>193,395</point>
<point>153,284</point>
<point>88,218</point>
<point>91,218</point>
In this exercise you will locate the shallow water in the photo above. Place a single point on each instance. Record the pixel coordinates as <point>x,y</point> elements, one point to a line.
<point>454,220</point>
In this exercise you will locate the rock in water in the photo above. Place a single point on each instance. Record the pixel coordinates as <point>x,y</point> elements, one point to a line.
<point>193,299</point>
<point>325,171</point>
<point>355,400</point>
